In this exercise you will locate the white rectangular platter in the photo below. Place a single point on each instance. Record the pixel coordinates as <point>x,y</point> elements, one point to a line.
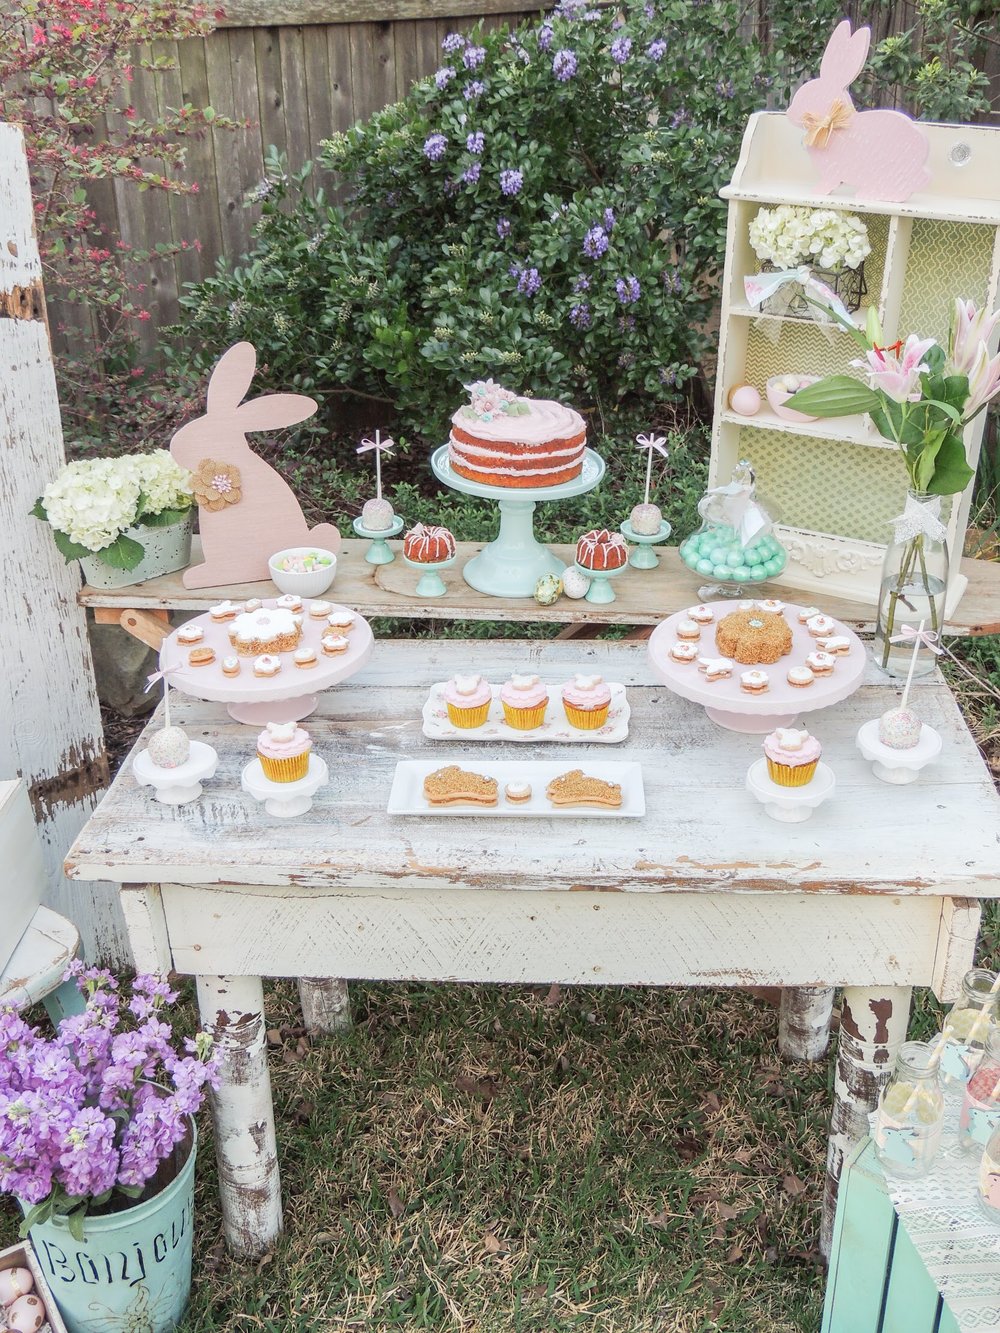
<point>554,728</point>
<point>407,794</point>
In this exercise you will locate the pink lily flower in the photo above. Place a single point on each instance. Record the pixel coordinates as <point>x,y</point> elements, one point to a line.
<point>970,330</point>
<point>896,370</point>
<point>984,380</point>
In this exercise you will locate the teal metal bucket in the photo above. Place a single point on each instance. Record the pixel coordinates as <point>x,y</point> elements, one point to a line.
<point>132,1271</point>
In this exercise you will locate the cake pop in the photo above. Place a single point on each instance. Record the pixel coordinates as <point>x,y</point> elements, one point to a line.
<point>646,518</point>
<point>899,728</point>
<point>377,514</point>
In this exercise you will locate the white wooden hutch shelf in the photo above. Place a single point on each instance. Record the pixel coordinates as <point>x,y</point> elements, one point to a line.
<point>835,484</point>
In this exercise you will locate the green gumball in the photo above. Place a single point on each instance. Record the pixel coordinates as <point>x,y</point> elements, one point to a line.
<point>758,573</point>
<point>742,574</point>
<point>704,566</point>
<point>772,567</point>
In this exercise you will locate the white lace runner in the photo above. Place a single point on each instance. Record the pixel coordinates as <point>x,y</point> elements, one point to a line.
<point>959,1245</point>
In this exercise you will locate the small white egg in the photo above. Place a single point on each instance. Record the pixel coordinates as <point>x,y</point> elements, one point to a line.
<point>14,1282</point>
<point>26,1315</point>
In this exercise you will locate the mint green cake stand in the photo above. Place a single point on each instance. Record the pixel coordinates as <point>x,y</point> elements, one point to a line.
<point>430,583</point>
<point>512,564</point>
<point>644,557</point>
<point>380,552</point>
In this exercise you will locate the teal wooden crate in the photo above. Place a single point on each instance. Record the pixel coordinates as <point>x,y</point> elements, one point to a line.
<point>877,1282</point>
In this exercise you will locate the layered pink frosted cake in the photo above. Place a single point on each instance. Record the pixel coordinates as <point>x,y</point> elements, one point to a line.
<point>498,439</point>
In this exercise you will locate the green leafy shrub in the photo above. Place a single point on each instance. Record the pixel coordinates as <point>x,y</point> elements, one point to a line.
<point>545,210</point>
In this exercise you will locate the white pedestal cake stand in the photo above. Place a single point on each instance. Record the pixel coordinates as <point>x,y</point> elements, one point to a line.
<point>728,705</point>
<point>177,786</point>
<point>256,700</point>
<point>512,564</point>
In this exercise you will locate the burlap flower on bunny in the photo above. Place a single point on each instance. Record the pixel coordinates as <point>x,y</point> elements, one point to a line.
<point>216,484</point>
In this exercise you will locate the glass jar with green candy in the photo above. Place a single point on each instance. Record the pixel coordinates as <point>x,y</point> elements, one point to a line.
<point>980,1114</point>
<point>910,1112</point>
<point>967,1026</point>
<point>735,544</point>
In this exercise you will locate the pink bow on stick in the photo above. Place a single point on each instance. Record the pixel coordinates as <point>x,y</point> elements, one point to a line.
<point>927,637</point>
<point>380,446</point>
<point>162,674</point>
<point>649,443</point>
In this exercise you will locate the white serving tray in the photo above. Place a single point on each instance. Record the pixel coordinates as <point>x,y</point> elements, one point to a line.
<point>407,794</point>
<point>554,728</point>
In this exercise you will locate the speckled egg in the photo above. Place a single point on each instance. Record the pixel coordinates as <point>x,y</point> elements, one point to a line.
<point>377,515</point>
<point>169,748</point>
<point>26,1315</point>
<point>14,1282</point>
<point>548,589</point>
<point>899,729</point>
<point>575,584</point>
<point>646,520</point>
<point>745,400</point>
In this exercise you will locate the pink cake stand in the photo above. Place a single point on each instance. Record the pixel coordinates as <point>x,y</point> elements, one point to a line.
<point>286,697</point>
<point>728,705</point>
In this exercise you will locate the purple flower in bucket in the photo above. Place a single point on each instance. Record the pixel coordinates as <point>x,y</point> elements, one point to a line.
<point>79,1117</point>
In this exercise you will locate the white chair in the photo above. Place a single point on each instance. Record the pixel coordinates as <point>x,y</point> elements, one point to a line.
<point>35,970</point>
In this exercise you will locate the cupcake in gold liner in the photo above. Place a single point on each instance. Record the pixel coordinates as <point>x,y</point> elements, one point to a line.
<point>283,750</point>
<point>586,700</point>
<point>524,700</point>
<point>792,757</point>
<point>468,700</point>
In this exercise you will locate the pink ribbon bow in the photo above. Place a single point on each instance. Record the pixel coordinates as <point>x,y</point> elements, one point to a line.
<point>928,637</point>
<point>652,442</point>
<point>383,446</point>
<point>160,675</point>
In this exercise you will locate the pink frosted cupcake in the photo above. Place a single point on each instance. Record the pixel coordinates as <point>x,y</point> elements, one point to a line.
<point>283,750</point>
<point>586,700</point>
<point>792,756</point>
<point>524,700</point>
<point>468,699</point>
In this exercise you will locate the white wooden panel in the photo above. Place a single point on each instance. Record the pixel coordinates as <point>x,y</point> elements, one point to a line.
<point>585,938</point>
<point>50,725</point>
<point>702,830</point>
<point>22,873</point>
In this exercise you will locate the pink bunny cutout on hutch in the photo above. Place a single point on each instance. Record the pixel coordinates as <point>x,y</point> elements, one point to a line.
<point>882,155</point>
<point>246,510</point>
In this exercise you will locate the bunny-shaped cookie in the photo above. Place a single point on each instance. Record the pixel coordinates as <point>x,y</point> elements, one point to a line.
<point>882,154</point>
<point>246,511</point>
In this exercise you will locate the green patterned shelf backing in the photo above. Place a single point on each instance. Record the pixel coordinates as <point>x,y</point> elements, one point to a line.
<point>827,485</point>
<point>947,259</point>
<point>802,349</point>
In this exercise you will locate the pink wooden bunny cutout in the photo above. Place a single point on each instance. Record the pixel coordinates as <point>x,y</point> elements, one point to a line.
<point>246,511</point>
<point>882,155</point>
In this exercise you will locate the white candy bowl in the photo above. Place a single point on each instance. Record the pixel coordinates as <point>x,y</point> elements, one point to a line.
<point>308,583</point>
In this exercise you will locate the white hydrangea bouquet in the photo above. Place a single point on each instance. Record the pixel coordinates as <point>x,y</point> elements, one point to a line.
<point>97,506</point>
<point>790,235</point>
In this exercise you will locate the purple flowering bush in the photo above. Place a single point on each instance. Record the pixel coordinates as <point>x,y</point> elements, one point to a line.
<point>88,1117</point>
<point>589,146</point>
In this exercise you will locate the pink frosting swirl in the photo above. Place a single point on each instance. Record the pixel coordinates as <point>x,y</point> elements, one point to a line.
<point>524,692</point>
<point>586,692</point>
<point>791,747</point>
<point>283,740</point>
<point>467,692</point>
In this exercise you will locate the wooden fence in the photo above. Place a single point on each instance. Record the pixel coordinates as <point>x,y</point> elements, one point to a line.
<point>296,82</point>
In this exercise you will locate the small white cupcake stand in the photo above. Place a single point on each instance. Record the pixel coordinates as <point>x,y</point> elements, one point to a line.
<point>177,786</point>
<point>512,564</point>
<point>285,800</point>
<point>898,766</point>
<point>286,697</point>
<point>790,805</point>
<point>730,706</point>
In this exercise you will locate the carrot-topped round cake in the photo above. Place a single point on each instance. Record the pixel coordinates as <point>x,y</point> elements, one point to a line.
<point>498,439</point>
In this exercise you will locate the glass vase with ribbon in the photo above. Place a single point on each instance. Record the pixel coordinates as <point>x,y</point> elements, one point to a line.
<point>913,587</point>
<point>921,397</point>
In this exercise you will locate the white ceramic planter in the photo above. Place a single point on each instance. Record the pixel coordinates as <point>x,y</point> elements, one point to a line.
<point>166,549</point>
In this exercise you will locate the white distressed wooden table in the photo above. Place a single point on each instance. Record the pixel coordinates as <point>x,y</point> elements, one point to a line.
<point>876,893</point>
